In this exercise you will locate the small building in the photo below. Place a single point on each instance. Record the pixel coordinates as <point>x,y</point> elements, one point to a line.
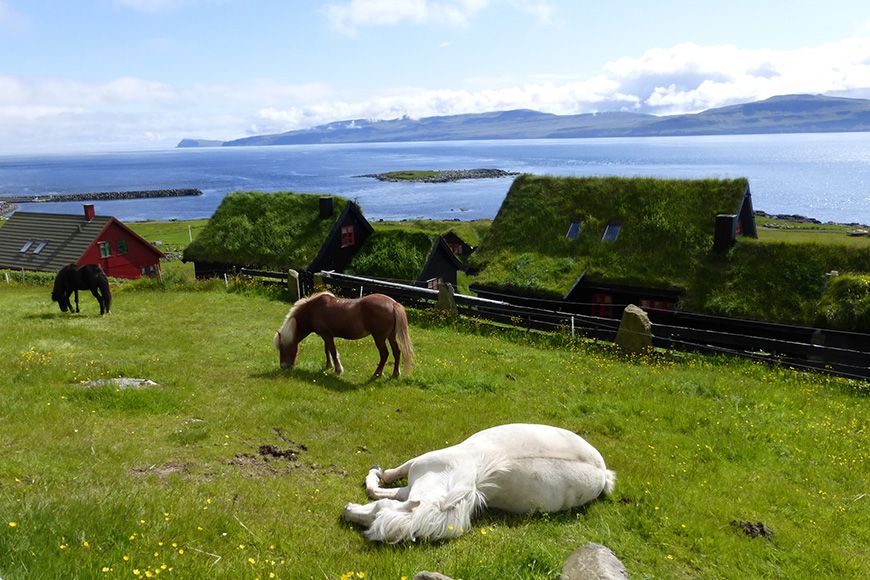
<point>597,244</point>
<point>442,265</point>
<point>459,246</point>
<point>406,257</point>
<point>46,242</point>
<point>279,231</point>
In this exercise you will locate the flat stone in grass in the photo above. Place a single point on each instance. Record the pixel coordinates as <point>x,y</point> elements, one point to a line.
<point>593,562</point>
<point>122,383</point>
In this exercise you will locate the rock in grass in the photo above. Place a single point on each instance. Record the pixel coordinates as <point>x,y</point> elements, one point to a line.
<point>635,331</point>
<point>593,562</point>
<point>122,383</point>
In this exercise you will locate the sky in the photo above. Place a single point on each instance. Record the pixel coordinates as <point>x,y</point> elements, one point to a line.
<point>143,74</point>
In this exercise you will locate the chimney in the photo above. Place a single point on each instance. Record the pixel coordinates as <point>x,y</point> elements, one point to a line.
<point>725,232</point>
<point>89,211</point>
<point>326,207</point>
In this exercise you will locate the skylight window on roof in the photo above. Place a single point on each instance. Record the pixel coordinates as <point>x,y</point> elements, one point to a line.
<point>573,230</point>
<point>611,232</point>
<point>40,246</point>
<point>26,246</point>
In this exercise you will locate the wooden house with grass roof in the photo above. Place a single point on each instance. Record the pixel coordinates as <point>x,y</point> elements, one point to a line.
<point>408,257</point>
<point>279,231</point>
<point>601,243</point>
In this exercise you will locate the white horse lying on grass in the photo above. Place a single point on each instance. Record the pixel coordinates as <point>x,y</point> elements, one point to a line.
<point>516,468</point>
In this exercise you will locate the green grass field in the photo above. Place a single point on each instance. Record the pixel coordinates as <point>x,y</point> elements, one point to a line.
<point>97,482</point>
<point>770,230</point>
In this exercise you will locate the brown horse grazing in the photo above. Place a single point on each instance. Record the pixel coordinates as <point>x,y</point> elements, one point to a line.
<point>377,315</point>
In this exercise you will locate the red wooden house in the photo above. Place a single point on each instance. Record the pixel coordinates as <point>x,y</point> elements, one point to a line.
<point>46,242</point>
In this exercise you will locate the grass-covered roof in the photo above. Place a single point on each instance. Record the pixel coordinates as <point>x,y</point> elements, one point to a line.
<point>667,231</point>
<point>265,230</point>
<point>393,255</point>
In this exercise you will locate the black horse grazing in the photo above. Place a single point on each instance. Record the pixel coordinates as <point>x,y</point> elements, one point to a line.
<point>71,279</point>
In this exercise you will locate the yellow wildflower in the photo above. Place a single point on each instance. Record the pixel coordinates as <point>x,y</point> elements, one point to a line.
<point>13,524</point>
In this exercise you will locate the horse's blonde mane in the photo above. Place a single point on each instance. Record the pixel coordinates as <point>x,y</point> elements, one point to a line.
<point>286,330</point>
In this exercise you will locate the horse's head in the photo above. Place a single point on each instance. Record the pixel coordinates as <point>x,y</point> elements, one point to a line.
<point>62,300</point>
<point>287,344</point>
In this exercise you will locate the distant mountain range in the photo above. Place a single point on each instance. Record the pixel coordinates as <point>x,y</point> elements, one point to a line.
<point>783,114</point>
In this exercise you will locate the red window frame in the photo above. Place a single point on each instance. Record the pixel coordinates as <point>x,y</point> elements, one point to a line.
<point>348,235</point>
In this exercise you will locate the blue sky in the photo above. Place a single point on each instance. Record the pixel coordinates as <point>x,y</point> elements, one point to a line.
<point>136,74</point>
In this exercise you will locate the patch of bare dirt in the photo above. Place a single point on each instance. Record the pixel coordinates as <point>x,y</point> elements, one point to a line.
<point>271,459</point>
<point>753,530</point>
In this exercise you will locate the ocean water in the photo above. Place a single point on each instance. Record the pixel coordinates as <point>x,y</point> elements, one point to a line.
<point>825,176</point>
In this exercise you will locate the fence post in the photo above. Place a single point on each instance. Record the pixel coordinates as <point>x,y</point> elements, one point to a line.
<point>446,300</point>
<point>226,280</point>
<point>293,284</point>
<point>572,326</point>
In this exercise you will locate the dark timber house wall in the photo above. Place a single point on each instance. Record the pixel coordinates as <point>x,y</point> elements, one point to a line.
<point>441,264</point>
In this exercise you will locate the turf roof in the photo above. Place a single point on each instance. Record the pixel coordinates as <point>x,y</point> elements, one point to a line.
<point>667,231</point>
<point>265,230</point>
<point>393,255</point>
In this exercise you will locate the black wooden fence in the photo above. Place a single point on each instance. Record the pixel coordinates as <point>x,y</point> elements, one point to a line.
<point>845,354</point>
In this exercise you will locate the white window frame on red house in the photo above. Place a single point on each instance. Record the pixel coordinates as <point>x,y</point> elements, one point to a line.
<point>105,249</point>
<point>348,235</point>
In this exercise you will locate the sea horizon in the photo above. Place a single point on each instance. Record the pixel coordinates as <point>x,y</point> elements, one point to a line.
<point>821,176</point>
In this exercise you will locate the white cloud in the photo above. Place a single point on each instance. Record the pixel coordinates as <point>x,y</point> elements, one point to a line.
<point>349,16</point>
<point>689,77</point>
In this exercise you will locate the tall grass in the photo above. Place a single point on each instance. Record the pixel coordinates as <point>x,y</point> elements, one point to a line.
<point>97,481</point>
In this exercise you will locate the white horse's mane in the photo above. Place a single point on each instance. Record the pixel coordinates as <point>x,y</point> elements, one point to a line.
<point>444,515</point>
<point>288,328</point>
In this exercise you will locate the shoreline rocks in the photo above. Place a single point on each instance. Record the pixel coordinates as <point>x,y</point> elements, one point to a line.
<point>445,176</point>
<point>99,196</point>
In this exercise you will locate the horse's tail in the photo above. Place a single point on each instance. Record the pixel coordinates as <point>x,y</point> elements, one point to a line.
<point>442,517</point>
<point>103,283</point>
<point>403,338</point>
<point>609,482</point>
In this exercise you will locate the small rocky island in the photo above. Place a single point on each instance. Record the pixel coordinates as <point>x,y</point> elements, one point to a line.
<point>440,176</point>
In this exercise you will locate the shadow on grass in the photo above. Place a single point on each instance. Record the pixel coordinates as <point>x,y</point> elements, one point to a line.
<point>487,519</point>
<point>49,315</point>
<point>327,379</point>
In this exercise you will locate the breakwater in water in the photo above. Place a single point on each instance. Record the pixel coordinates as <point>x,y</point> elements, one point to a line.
<point>100,196</point>
<point>9,203</point>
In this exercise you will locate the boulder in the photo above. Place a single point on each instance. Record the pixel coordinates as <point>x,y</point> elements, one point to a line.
<point>424,575</point>
<point>593,562</point>
<point>635,331</point>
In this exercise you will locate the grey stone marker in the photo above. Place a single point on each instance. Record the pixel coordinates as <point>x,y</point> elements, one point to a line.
<point>446,299</point>
<point>635,331</point>
<point>293,285</point>
<point>593,562</point>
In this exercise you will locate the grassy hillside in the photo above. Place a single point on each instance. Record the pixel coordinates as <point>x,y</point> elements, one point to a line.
<point>781,281</point>
<point>102,482</point>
